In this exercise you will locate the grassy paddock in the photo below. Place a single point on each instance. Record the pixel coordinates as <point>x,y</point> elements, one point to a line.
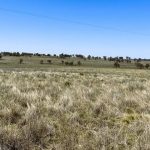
<point>75,109</point>
<point>34,62</point>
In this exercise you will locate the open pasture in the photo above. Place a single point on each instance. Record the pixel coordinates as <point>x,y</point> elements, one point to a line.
<point>75,108</point>
<point>12,62</point>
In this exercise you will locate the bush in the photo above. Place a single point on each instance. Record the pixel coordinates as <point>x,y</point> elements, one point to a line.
<point>41,61</point>
<point>0,56</point>
<point>116,65</point>
<point>139,65</point>
<point>49,61</point>
<point>147,66</point>
<point>66,63</point>
<point>69,63</point>
<point>62,62</point>
<point>21,61</point>
<point>67,83</point>
<point>79,63</point>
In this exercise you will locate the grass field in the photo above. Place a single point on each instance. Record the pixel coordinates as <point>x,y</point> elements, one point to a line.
<point>34,62</point>
<point>54,107</point>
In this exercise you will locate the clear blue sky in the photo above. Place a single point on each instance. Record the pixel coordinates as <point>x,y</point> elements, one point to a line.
<point>29,33</point>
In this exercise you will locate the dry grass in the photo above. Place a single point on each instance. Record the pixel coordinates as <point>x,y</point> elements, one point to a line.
<point>107,110</point>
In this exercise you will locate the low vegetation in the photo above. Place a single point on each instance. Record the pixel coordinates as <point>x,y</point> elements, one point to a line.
<point>11,60</point>
<point>116,65</point>
<point>49,61</point>
<point>41,61</point>
<point>90,109</point>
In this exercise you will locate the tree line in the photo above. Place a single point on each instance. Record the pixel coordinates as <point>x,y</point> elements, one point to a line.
<point>89,57</point>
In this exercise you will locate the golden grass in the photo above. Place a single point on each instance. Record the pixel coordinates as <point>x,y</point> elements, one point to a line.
<point>85,110</point>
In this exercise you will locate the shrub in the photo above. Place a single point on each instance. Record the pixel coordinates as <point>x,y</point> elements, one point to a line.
<point>21,61</point>
<point>49,61</point>
<point>147,66</point>
<point>139,65</point>
<point>66,63</point>
<point>116,65</point>
<point>0,56</point>
<point>81,73</point>
<point>41,61</point>
<point>67,83</point>
<point>62,62</point>
<point>79,63</point>
<point>69,63</point>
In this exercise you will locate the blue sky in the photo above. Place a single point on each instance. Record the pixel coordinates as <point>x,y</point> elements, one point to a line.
<point>118,27</point>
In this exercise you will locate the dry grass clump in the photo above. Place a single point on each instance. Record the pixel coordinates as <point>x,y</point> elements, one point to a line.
<point>75,111</point>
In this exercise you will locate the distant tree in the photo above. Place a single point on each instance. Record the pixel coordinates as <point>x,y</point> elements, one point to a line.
<point>43,54</point>
<point>49,55</point>
<point>0,56</point>
<point>80,56</point>
<point>37,54</point>
<point>6,53</point>
<point>65,56</point>
<point>147,66</point>
<point>96,58</point>
<point>61,55</point>
<point>104,57</point>
<point>139,60</point>
<point>116,58</point>
<point>21,61</point>
<point>41,61</point>
<point>27,54</point>
<point>121,59</point>
<point>18,54</point>
<point>110,58</point>
<point>89,57</point>
<point>49,61</point>
<point>128,58</point>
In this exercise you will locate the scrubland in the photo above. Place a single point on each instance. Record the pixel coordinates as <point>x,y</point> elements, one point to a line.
<point>105,109</point>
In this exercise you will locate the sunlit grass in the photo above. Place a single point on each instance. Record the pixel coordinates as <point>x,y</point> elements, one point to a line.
<point>87,109</point>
